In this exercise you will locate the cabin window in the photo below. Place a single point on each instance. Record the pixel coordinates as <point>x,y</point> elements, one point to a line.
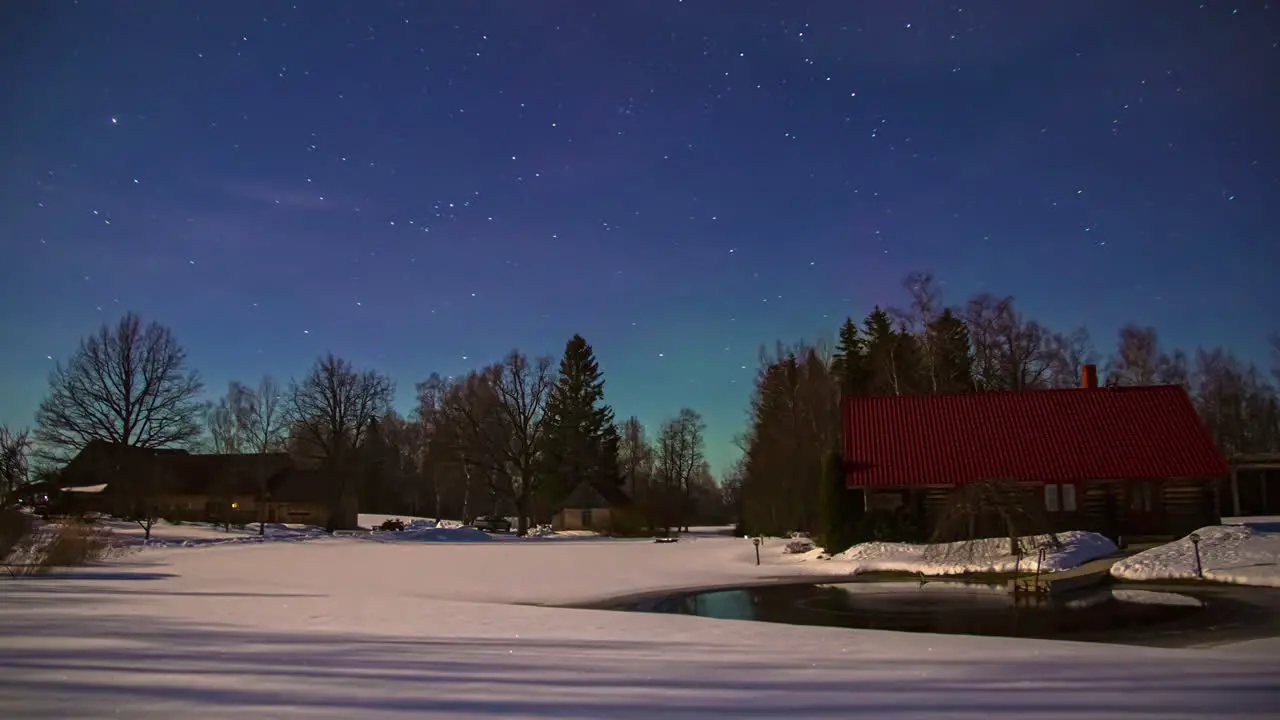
<point>1060,498</point>
<point>1069,498</point>
<point>1051,498</point>
<point>1141,497</point>
<point>586,518</point>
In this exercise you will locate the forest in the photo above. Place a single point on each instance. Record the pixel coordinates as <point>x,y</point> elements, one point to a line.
<point>925,346</point>
<point>516,436</point>
<point>512,438</point>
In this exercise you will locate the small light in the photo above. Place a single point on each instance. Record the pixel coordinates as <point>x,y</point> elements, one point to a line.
<point>235,505</point>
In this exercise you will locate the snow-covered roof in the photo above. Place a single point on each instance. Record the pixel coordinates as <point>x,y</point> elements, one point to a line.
<point>85,488</point>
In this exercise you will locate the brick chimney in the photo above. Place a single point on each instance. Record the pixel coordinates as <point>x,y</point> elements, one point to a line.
<point>1089,377</point>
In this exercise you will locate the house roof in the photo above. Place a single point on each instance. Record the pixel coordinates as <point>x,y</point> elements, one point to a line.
<point>1045,435</point>
<point>182,473</point>
<point>587,495</point>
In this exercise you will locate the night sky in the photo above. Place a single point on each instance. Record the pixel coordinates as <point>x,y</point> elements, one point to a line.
<point>422,186</point>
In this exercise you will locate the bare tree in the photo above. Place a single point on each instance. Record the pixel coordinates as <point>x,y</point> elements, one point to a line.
<point>332,409</point>
<point>263,416</point>
<point>679,458</point>
<point>224,422</point>
<point>438,442</point>
<point>635,457</point>
<point>126,384</point>
<point>14,448</point>
<point>1068,354</point>
<point>1010,352</point>
<point>1239,408</point>
<point>1275,358</point>
<point>1139,360</point>
<point>262,427</point>
<point>918,320</point>
<point>500,424</point>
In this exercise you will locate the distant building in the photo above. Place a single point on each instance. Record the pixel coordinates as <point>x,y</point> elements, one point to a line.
<point>591,506</point>
<point>176,484</point>
<point>1118,460</point>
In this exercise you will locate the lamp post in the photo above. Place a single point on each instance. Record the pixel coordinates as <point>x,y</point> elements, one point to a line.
<point>1195,545</point>
<point>756,541</point>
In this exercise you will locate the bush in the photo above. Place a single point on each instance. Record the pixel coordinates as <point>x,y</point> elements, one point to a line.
<point>73,544</point>
<point>17,530</point>
<point>888,526</point>
<point>625,523</point>
<point>992,509</point>
<point>392,525</point>
<point>67,544</point>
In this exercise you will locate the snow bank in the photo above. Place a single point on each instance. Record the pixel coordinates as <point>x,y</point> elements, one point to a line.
<point>1239,554</point>
<point>980,556</point>
<point>372,521</point>
<point>429,533</point>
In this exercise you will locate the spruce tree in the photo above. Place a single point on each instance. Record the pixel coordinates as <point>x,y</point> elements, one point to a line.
<point>850,362</point>
<point>581,441</point>
<point>952,353</point>
<point>839,515</point>
<point>884,376</point>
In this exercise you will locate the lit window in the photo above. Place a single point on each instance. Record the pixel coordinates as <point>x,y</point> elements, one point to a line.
<point>1051,498</point>
<point>1069,498</point>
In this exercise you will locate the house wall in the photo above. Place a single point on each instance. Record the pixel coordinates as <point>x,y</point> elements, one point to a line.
<point>1115,508</point>
<point>243,510</point>
<point>300,513</point>
<point>572,519</point>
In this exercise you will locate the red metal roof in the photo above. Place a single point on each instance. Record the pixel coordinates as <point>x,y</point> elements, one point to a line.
<point>1139,433</point>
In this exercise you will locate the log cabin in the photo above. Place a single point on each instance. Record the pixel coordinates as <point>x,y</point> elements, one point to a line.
<point>1122,461</point>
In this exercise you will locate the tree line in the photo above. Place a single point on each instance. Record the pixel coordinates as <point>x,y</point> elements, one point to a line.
<point>513,437</point>
<point>788,467</point>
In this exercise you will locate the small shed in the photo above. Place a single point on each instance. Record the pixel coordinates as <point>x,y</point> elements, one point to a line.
<point>591,506</point>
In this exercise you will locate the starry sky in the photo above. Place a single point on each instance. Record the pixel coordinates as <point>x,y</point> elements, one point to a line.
<point>421,186</point>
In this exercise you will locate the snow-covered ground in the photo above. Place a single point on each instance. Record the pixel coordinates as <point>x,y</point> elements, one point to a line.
<point>1075,548</point>
<point>1243,554</point>
<point>345,627</point>
<point>196,534</point>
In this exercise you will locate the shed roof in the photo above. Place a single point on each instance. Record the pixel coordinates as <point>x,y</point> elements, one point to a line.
<point>1045,435</point>
<point>593,496</point>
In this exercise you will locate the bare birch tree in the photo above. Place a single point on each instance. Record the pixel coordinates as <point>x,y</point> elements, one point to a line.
<point>1140,361</point>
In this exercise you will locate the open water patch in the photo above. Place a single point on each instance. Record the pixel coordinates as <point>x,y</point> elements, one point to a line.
<point>1156,615</point>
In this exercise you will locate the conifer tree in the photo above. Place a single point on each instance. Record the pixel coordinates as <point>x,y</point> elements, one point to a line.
<point>883,355</point>
<point>952,351</point>
<point>850,362</point>
<point>581,441</point>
